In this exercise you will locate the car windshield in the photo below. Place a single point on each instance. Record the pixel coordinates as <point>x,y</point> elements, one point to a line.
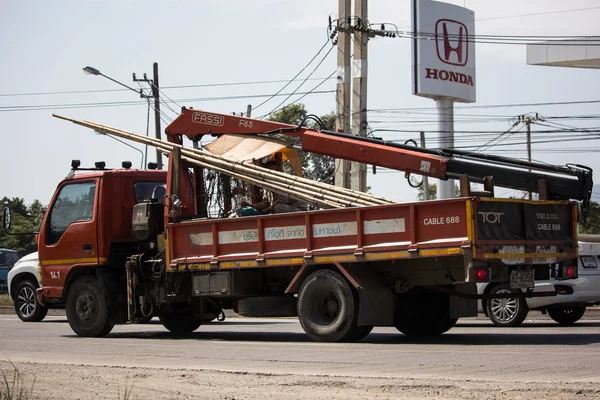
<point>8,258</point>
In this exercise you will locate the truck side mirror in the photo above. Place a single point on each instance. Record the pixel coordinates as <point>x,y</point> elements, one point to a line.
<point>6,219</point>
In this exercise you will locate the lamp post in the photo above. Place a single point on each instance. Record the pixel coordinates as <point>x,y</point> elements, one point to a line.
<point>93,71</point>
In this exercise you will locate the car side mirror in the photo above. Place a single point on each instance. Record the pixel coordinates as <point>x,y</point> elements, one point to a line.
<point>6,219</point>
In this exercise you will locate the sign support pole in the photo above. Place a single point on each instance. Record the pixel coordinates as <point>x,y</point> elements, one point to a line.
<point>445,108</point>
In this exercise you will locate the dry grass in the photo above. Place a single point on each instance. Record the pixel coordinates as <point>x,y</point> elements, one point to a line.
<point>5,301</point>
<point>12,385</point>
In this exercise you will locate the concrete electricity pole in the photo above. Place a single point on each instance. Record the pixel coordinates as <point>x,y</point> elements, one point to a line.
<point>358,171</point>
<point>342,117</point>
<point>155,94</point>
<point>528,120</point>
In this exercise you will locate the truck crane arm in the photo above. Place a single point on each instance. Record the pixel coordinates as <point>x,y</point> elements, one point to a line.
<point>560,182</point>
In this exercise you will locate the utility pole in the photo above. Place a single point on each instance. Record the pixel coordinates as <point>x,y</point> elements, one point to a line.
<point>342,117</point>
<point>528,120</point>
<point>155,94</point>
<point>358,171</point>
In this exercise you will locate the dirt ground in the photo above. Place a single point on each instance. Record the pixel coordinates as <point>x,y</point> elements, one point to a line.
<point>56,381</point>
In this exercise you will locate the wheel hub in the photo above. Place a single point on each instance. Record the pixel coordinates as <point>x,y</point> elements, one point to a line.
<point>325,308</point>
<point>504,309</point>
<point>332,307</point>
<point>26,302</point>
<point>86,307</point>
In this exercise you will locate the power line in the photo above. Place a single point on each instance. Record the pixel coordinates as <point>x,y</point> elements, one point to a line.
<point>556,103</point>
<point>526,15</point>
<point>296,76</point>
<point>138,102</point>
<point>302,83</point>
<point>162,88</point>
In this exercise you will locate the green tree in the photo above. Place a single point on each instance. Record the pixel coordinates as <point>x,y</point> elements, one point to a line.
<point>433,192</point>
<point>314,166</point>
<point>592,222</point>
<point>24,219</point>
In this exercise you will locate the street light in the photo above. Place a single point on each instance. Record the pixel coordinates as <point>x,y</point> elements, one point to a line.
<point>93,71</point>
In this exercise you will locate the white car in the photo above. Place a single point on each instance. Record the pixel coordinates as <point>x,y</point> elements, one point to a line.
<point>566,308</point>
<point>22,282</point>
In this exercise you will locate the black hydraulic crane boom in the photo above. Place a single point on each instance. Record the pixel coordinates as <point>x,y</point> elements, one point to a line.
<point>572,181</point>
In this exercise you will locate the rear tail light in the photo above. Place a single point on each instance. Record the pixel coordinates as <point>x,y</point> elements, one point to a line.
<point>481,274</point>
<point>568,272</point>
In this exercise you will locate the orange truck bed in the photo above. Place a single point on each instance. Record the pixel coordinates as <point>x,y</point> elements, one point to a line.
<point>506,230</point>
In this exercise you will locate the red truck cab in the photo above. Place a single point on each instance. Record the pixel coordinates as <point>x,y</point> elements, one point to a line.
<point>89,225</point>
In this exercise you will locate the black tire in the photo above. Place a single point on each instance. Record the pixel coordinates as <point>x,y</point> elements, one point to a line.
<point>328,308</point>
<point>180,323</point>
<point>426,313</point>
<point>567,315</point>
<point>360,332</point>
<point>87,310</point>
<point>143,320</point>
<point>26,305</point>
<point>506,312</point>
<point>268,306</point>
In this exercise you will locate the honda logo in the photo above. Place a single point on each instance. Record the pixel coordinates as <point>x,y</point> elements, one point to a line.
<point>452,42</point>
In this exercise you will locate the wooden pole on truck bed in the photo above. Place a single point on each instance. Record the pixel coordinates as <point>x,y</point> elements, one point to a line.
<point>322,200</point>
<point>329,192</point>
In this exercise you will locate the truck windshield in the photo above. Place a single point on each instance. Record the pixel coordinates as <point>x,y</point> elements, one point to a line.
<point>74,203</point>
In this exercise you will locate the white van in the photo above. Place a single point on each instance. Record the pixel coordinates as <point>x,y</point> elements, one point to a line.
<point>567,307</point>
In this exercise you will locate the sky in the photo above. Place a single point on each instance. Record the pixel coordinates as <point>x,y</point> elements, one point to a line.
<point>204,44</point>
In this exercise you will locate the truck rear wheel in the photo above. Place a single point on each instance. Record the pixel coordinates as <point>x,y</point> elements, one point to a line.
<point>424,313</point>
<point>328,308</point>
<point>567,315</point>
<point>87,311</point>
<point>180,323</point>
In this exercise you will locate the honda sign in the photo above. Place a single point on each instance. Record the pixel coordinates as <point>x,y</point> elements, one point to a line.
<point>443,51</point>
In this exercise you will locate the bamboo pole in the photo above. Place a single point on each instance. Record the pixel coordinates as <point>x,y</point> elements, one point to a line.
<point>300,194</point>
<point>303,194</point>
<point>347,194</point>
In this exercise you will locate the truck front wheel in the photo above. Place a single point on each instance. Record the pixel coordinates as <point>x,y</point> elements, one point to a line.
<point>328,308</point>
<point>87,311</point>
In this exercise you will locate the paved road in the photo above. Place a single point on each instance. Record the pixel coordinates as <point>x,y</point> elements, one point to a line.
<point>474,349</point>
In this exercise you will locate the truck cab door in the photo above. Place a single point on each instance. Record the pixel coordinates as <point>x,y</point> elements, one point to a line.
<point>69,235</point>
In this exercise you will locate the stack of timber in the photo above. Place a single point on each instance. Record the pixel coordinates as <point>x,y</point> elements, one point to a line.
<point>317,193</point>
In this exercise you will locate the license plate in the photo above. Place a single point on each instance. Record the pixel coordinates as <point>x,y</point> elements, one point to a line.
<point>522,279</point>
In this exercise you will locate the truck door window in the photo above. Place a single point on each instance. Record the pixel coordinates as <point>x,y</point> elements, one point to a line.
<point>149,190</point>
<point>74,203</point>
